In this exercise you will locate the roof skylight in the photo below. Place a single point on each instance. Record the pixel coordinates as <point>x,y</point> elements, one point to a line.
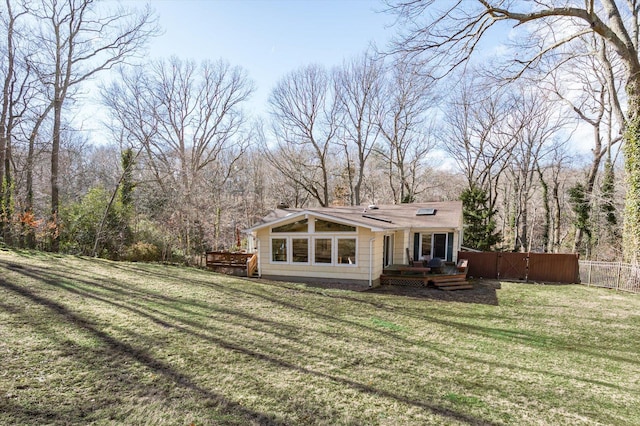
<point>426,212</point>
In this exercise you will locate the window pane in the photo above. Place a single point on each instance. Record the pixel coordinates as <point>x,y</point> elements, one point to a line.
<point>440,246</point>
<point>426,246</point>
<point>326,226</point>
<point>299,226</point>
<point>300,248</point>
<point>388,250</point>
<point>347,250</point>
<point>323,250</point>
<point>279,250</point>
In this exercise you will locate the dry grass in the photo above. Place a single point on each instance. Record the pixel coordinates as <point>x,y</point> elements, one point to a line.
<point>86,341</point>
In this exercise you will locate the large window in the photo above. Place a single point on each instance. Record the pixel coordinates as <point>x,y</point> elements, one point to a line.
<point>322,250</point>
<point>300,250</point>
<point>279,250</point>
<point>436,245</point>
<point>326,226</point>
<point>299,226</point>
<point>310,242</point>
<point>347,251</point>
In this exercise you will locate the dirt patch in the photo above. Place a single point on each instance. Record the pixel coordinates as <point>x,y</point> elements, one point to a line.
<point>483,292</point>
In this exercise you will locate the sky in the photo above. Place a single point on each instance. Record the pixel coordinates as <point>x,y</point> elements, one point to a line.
<point>269,38</point>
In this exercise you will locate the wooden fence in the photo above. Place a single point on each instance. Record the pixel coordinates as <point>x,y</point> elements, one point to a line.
<point>544,267</point>
<point>615,275</point>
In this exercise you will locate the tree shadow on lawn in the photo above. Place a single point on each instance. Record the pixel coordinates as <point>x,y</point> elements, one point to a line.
<point>498,333</point>
<point>120,349</point>
<point>484,292</point>
<point>118,295</point>
<point>116,350</point>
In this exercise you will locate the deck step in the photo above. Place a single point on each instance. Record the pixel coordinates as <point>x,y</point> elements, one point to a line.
<point>453,284</point>
<point>442,282</point>
<point>436,279</point>
<point>451,281</point>
<point>456,287</point>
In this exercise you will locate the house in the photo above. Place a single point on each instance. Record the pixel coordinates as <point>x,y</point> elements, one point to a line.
<point>353,244</point>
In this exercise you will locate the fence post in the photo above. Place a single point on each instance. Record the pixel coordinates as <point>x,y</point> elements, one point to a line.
<point>589,274</point>
<point>619,274</point>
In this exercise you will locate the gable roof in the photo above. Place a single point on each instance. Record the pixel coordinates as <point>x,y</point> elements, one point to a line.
<point>447,214</point>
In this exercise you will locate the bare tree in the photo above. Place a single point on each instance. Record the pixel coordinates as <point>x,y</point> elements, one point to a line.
<point>534,123</point>
<point>594,102</point>
<point>448,33</point>
<point>305,125</point>
<point>405,127</point>
<point>78,39</point>
<point>14,92</point>
<point>357,89</point>
<point>475,134</point>
<point>549,171</point>
<point>187,119</point>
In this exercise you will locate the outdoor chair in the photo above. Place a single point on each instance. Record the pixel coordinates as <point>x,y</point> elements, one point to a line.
<point>436,265</point>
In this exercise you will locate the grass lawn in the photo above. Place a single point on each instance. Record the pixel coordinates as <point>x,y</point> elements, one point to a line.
<point>87,341</point>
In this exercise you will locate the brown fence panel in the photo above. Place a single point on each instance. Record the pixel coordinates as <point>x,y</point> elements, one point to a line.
<point>512,266</point>
<point>481,264</point>
<point>546,267</point>
<point>556,268</point>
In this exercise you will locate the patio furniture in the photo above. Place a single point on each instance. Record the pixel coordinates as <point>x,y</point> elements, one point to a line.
<point>436,265</point>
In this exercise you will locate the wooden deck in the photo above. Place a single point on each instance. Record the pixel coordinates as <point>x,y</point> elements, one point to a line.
<point>449,277</point>
<point>238,264</point>
<point>446,277</point>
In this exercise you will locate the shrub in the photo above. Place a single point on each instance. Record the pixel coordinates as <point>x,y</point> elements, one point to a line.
<point>143,252</point>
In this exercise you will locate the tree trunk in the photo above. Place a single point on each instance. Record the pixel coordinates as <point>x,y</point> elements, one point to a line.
<point>547,212</point>
<point>631,229</point>
<point>8,194</point>
<point>577,241</point>
<point>5,131</point>
<point>524,233</point>
<point>556,217</point>
<point>30,236</point>
<point>55,190</point>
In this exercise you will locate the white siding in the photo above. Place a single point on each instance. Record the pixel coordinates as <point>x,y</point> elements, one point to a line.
<point>359,271</point>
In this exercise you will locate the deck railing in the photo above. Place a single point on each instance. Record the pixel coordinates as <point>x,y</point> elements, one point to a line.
<point>252,265</point>
<point>614,275</point>
<point>223,261</point>
<point>221,258</point>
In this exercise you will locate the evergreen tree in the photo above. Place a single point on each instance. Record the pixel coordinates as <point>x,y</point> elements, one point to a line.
<point>127,186</point>
<point>607,192</point>
<point>479,220</point>
<point>128,159</point>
